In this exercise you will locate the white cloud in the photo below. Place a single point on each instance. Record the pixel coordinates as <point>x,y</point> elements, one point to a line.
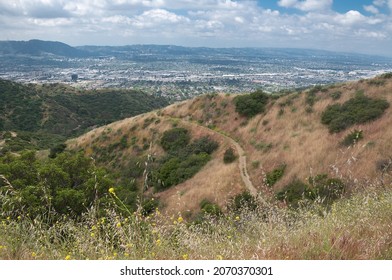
<point>350,18</point>
<point>307,5</point>
<point>157,17</point>
<point>371,9</point>
<point>205,22</point>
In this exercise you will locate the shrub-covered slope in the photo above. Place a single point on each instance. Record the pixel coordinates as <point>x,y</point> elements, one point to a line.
<point>290,149</point>
<point>38,113</point>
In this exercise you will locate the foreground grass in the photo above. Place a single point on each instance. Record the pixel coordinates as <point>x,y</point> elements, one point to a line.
<point>356,228</point>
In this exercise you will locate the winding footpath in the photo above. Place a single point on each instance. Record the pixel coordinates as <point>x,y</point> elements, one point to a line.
<point>240,151</point>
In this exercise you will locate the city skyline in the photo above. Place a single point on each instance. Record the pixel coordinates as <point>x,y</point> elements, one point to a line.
<point>363,26</point>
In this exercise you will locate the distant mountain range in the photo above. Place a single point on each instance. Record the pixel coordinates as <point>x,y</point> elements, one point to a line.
<point>38,48</point>
<point>44,48</point>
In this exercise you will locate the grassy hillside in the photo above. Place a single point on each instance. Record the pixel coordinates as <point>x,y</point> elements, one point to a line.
<point>289,149</point>
<point>290,132</point>
<point>301,175</point>
<point>40,113</point>
<point>355,228</point>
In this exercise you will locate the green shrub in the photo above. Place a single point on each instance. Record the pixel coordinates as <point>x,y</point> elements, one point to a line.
<point>275,175</point>
<point>203,145</point>
<point>327,189</point>
<point>249,105</point>
<point>174,139</point>
<point>57,150</point>
<point>210,208</point>
<point>294,192</point>
<point>184,160</point>
<point>229,156</point>
<point>352,138</point>
<point>243,201</point>
<point>358,110</point>
<point>336,95</point>
<point>386,75</point>
<point>68,184</point>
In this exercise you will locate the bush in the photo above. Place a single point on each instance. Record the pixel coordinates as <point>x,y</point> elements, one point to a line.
<point>184,160</point>
<point>294,192</point>
<point>386,75</point>
<point>57,150</point>
<point>249,105</point>
<point>203,145</point>
<point>229,156</point>
<point>336,95</point>
<point>174,139</point>
<point>352,138</point>
<point>327,189</point>
<point>244,201</point>
<point>275,175</point>
<point>69,184</point>
<point>358,110</point>
<point>210,208</point>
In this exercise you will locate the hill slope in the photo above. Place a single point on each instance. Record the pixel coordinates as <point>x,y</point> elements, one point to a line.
<point>56,111</point>
<point>288,139</point>
<point>39,47</point>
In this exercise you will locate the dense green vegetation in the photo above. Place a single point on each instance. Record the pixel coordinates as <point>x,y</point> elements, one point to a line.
<point>45,115</point>
<point>249,105</point>
<point>319,187</point>
<point>229,156</point>
<point>357,110</point>
<point>68,184</point>
<point>184,158</point>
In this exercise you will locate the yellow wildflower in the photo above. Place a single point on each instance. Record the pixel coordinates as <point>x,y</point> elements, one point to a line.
<point>67,257</point>
<point>92,234</point>
<point>158,242</point>
<point>93,228</point>
<point>33,254</point>
<point>118,225</point>
<point>111,191</point>
<point>185,257</point>
<point>237,218</point>
<point>180,219</point>
<point>219,257</point>
<point>19,218</point>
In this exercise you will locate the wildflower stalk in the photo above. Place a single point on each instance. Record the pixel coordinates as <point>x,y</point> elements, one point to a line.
<point>113,193</point>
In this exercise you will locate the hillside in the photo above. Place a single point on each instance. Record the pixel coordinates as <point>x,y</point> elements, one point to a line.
<point>300,175</point>
<point>39,47</point>
<point>42,115</point>
<point>286,146</point>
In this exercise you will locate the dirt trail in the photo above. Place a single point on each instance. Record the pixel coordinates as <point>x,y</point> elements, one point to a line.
<point>241,154</point>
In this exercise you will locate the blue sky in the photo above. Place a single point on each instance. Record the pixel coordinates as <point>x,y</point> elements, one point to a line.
<point>362,26</point>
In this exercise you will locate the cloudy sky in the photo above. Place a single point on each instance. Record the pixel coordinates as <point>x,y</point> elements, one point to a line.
<point>363,26</point>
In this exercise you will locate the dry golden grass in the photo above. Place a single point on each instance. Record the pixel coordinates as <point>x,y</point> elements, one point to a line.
<point>296,138</point>
<point>356,228</point>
